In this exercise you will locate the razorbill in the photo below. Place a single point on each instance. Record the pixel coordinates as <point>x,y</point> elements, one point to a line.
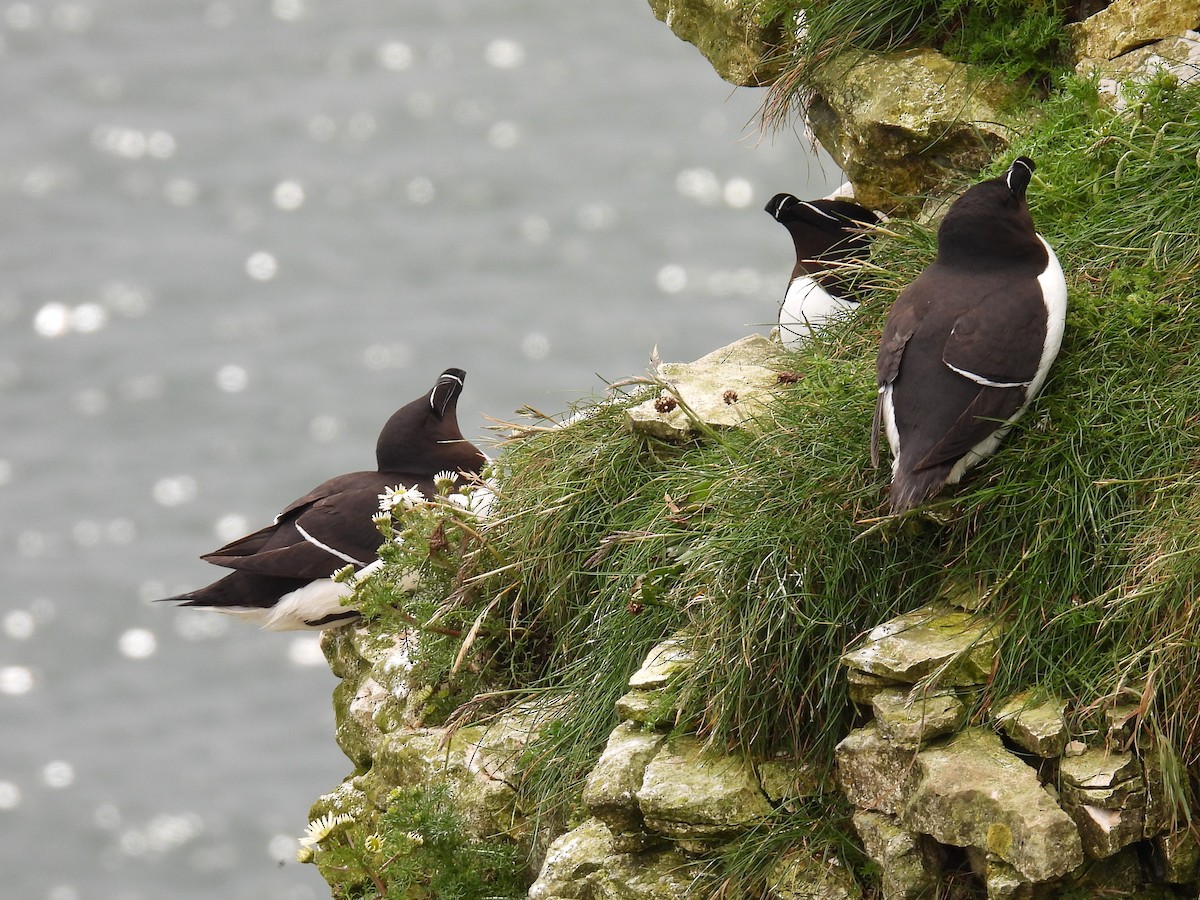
<point>827,234</point>
<point>282,573</point>
<point>967,346</point>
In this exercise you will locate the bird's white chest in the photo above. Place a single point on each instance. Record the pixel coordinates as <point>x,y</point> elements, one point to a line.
<point>806,307</point>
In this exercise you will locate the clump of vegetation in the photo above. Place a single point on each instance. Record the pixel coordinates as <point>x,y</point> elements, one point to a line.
<point>1014,41</point>
<point>419,851</point>
<point>769,546</point>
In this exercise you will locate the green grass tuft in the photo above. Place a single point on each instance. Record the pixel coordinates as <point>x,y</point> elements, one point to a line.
<point>1021,43</point>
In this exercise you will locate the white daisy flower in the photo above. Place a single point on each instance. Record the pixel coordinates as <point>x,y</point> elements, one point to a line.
<point>400,496</point>
<point>321,828</point>
<point>445,480</point>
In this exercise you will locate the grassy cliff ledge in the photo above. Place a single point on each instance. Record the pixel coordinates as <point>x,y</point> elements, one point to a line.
<point>766,551</point>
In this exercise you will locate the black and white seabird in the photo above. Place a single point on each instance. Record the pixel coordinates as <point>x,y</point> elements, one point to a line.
<point>968,345</point>
<point>281,576</point>
<point>827,234</point>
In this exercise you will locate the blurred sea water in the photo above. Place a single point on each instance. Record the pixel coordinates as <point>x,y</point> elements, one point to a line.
<point>235,235</point>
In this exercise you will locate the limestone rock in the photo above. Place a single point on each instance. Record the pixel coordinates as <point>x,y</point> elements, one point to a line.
<point>691,794</point>
<point>611,789</point>
<point>1106,796</point>
<point>582,865</point>
<point>863,686</point>
<point>645,708</point>
<point>727,388</point>
<point>374,696</point>
<point>1003,882</point>
<point>728,34</point>
<point>478,762</point>
<point>904,871</point>
<point>1126,24</point>
<point>662,663</point>
<point>902,124</point>
<point>1179,55</point>
<point>955,644</point>
<point>571,860</point>
<point>971,792</point>
<point>1034,724</point>
<point>910,722</point>
<point>798,876</point>
<point>1099,769</point>
<point>873,773</point>
<point>786,782</point>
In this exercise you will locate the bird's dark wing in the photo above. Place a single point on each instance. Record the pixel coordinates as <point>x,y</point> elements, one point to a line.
<point>989,410</point>
<point>325,530</point>
<point>244,546</point>
<point>999,340</point>
<point>902,323</point>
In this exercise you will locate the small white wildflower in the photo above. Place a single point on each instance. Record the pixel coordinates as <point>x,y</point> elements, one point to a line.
<point>445,480</point>
<point>383,516</point>
<point>415,838</point>
<point>373,843</point>
<point>321,828</point>
<point>400,496</point>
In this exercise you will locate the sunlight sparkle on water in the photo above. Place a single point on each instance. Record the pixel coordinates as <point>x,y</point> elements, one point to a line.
<point>15,680</point>
<point>232,379</point>
<point>230,526</point>
<point>58,774</point>
<point>535,346</point>
<point>324,428</point>
<point>535,229</point>
<point>133,143</point>
<point>700,185</point>
<point>127,299</point>
<point>137,643</point>
<point>597,216</point>
<point>262,266</point>
<point>420,190</point>
<point>288,195</point>
<point>288,10</point>
<point>504,135</point>
<point>671,279</point>
<point>739,193</point>
<point>19,624</point>
<point>10,795</point>
<point>503,53</point>
<point>395,56</point>
<point>387,356</point>
<point>174,490</point>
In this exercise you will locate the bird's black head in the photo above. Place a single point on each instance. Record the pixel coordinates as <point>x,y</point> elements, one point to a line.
<point>990,223</point>
<point>1018,175</point>
<point>423,436</point>
<point>823,229</point>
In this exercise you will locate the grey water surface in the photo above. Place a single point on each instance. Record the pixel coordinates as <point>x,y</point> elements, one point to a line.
<point>235,235</point>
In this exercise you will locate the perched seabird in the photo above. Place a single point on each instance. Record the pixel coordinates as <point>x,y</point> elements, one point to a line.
<point>281,576</point>
<point>827,233</point>
<point>968,345</point>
